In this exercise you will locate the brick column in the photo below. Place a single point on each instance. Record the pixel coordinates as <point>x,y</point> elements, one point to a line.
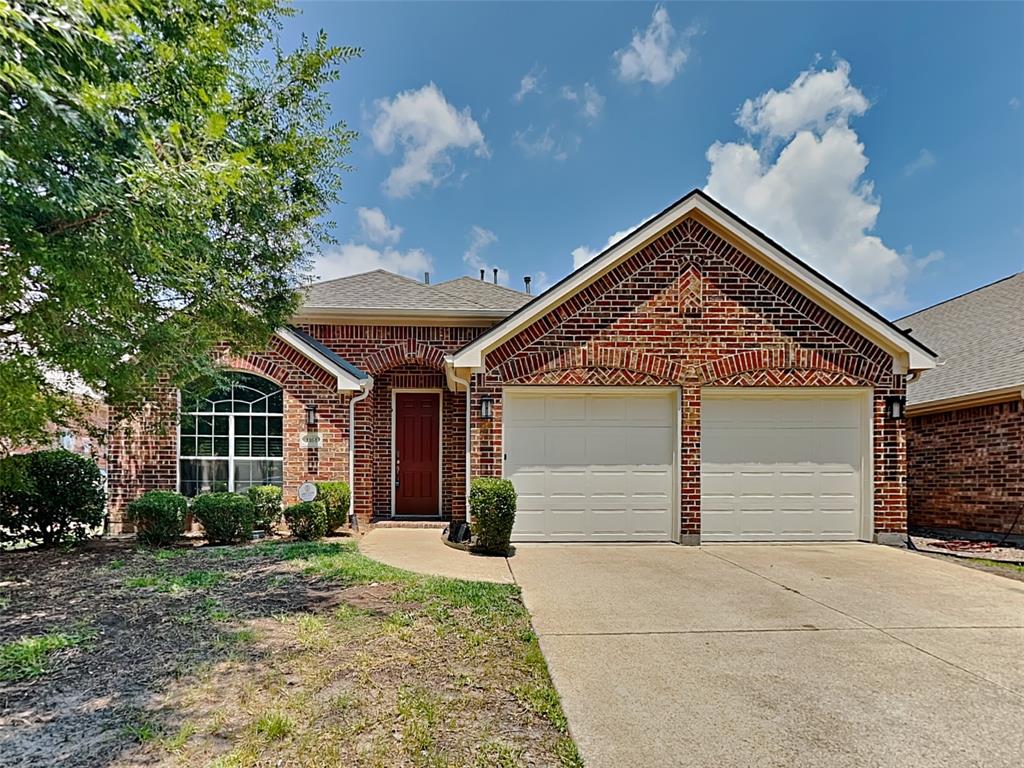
<point>689,464</point>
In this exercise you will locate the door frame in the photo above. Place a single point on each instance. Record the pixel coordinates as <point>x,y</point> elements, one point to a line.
<point>865,399</point>
<point>676,394</point>
<point>440,446</point>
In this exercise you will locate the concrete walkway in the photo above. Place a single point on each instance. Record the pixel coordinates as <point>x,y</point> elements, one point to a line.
<point>807,655</point>
<point>421,550</point>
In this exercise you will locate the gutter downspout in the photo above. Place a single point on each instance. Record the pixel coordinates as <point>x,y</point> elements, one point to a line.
<point>465,383</point>
<point>366,388</point>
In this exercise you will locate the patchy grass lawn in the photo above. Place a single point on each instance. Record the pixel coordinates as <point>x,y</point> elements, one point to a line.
<point>274,654</point>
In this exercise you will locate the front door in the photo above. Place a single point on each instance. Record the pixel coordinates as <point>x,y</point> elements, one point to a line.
<point>417,453</point>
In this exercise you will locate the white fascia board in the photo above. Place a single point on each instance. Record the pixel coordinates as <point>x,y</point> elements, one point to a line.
<point>346,381</point>
<point>907,356</point>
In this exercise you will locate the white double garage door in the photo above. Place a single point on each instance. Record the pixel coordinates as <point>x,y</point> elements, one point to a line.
<point>603,464</point>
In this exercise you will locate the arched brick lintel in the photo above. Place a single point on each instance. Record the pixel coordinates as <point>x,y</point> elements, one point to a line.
<point>611,362</point>
<point>787,367</point>
<point>405,353</point>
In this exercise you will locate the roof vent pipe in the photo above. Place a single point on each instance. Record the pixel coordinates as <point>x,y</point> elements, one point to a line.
<point>526,280</point>
<point>495,275</point>
<point>426,278</point>
<point>481,274</point>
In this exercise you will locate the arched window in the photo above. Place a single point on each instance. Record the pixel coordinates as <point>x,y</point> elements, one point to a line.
<point>231,438</point>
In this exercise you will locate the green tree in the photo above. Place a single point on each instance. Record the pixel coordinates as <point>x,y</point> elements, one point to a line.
<point>164,172</point>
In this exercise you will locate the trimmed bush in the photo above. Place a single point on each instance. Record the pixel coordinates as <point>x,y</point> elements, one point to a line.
<point>307,520</point>
<point>49,497</point>
<point>336,498</point>
<point>266,505</point>
<point>492,503</point>
<point>227,518</point>
<point>158,517</point>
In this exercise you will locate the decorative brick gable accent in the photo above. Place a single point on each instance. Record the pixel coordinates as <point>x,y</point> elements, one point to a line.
<point>966,468</point>
<point>691,310</point>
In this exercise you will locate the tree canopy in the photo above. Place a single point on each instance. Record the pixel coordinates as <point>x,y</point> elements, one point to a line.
<point>165,170</point>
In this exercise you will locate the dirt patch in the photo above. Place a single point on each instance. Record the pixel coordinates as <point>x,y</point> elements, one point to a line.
<point>250,656</point>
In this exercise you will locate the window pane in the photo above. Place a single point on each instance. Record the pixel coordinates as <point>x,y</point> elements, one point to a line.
<point>203,476</point>
<point>188,425</point>
<point>220,425</point>
<point>204,445</point>
<point>241,425</point>
<point>275,403</point>
<point>274,425</point>
<point>259,425</point>
<point>223,406</point>
<point>205,425</point>
<point>260,406</point>
<point>241,446</point>
<point>261,472</point>
<point>259,446</point>
<point>221,446</point>
<point>188,446</point>
<point>274,446</point>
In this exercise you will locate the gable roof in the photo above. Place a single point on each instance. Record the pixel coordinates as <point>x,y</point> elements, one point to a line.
<point>908,353</point>
<point>349,377</point>
<point>981,339</point>
<point>384,293</point>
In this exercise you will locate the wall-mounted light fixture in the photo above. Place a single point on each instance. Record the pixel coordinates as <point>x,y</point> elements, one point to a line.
<point>486,407</point>
<point>311,418</point>
<point>895,406</point>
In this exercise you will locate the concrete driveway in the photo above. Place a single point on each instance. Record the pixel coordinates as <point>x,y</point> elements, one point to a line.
<point>804,655</point>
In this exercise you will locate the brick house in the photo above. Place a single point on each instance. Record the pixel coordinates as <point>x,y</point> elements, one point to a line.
<point>965,429</point>
<point>692,382</point>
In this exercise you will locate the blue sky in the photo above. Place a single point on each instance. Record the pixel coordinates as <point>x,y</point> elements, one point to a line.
<point>882,142</point>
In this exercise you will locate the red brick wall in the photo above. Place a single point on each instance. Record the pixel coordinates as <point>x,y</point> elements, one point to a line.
<point>143,456</point>
<point>691,310</point>
<point>967,468</point>
<point>401,357</point>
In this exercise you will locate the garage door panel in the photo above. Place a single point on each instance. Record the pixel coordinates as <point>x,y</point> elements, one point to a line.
<point>786,468</point>
<point>596,466</point>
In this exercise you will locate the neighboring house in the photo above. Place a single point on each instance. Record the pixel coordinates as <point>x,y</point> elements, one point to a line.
<point>692,382</point>
<point>966,417</point>
<point>84,438</point>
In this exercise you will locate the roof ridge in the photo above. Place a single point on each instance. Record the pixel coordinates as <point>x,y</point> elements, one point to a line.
<point>960,296</point>
<point>475,280</point>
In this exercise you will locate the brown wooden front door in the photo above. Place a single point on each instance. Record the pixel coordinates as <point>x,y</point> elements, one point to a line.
<point>417,453</point>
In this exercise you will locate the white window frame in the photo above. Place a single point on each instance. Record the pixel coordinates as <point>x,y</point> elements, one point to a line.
<point>230,458</point>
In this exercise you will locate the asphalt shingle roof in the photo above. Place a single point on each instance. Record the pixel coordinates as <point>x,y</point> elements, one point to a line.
<point>383,290</point>
<point>330,354</point>
<point>979,338</point>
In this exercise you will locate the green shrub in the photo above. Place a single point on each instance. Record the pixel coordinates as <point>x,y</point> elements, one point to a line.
<point>336,497</point>
<point>158,517</point>
<point>227,518</point>
<point>492,503</point>
<point>307,520</point>
<point>266,505</point>
<point>49,497</point>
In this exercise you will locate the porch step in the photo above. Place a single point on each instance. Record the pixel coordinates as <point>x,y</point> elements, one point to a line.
<point>390,523</point>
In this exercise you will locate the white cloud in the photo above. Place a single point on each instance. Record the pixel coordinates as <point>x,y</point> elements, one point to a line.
<point>376,227</point>
<point>427,129</point>
<point>924,160</point>
<point>657,54</point>
<point>591,101</point>
<point>530,83</point>
<point>479,239</point>
<point>533,143</point>
<point>353,258</point>
<point>581,254</point>
<point>1015,102</point>
<point>811,194</point>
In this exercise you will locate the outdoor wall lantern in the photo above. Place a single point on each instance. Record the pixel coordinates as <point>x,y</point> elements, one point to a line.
<point>311,416</point>
<point>895,406</point>
<point>486,407</point>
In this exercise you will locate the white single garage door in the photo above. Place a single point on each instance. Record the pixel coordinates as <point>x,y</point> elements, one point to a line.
<point>784,465</point>
<point>591,465</point>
